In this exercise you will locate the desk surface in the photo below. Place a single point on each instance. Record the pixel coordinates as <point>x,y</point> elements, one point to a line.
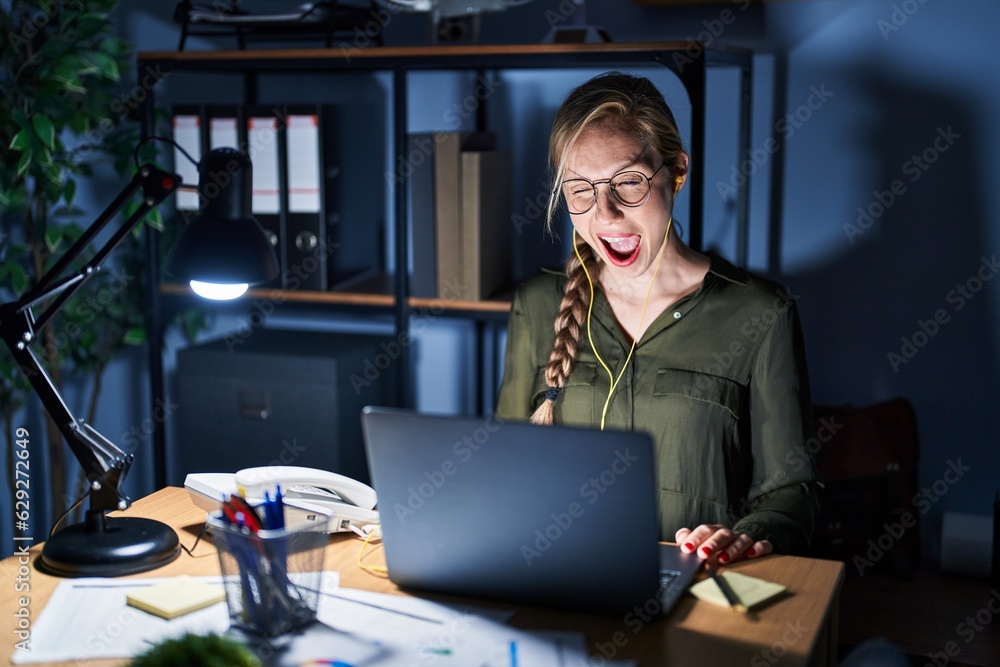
<point>799,629</point>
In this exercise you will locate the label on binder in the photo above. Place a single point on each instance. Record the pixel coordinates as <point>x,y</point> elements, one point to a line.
<point>223,133</point>
<point>303,164</point>
<point>262,140</point>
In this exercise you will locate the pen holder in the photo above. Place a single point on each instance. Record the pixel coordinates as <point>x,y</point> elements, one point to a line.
<point>272,577</point>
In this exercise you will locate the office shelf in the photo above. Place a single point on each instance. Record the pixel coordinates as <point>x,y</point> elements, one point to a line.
<point>688,60</point>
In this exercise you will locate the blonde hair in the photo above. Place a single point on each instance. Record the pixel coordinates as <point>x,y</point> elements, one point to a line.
<point>627,103</point>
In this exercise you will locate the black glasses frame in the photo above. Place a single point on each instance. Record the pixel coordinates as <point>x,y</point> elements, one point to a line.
<point>593,186</point>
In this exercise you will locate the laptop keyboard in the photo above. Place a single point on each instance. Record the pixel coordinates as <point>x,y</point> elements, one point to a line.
<point>669,589</point>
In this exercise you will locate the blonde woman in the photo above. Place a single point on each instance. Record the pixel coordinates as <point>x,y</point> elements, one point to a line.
<point>643,333</point>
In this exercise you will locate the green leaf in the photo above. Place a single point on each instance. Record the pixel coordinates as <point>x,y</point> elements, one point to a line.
<point>106,65</point>
<point>45,130</point>
<point>68,211</point>
<point>25,162</point>
<point>83,62</point>
<point>91,24</point>
<point>116,48</point>
<point>69,190</point>
<point>20,141</point>
<point>154,219</point>
<point>53,237</point>
<point>67,76</point>
<point>54,174</point>
<point>18,278</point>
<point>79,123</point>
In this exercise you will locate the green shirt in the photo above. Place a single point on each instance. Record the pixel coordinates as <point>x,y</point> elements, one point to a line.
<point>718,380</point>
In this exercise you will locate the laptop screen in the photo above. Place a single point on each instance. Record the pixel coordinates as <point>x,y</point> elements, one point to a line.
<point>548,515</point>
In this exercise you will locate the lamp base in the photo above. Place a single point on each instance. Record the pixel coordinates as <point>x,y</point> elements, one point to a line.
<point>109,547</point>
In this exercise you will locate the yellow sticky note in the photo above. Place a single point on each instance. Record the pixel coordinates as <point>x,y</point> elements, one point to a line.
<point>179,596</point>
<point>751,591</point>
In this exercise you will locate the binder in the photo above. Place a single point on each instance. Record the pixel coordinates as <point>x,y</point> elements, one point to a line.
<point>188,134</point>
<point>334,217</point>
<point>223,125</point>
<point>448,206</point>
<point>423,235</point>
<point>263,136</point>
<point>306,244</point>
<point>486,229</point>
<point>354,183</point>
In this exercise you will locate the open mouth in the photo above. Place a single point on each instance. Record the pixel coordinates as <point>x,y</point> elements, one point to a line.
<point>621,249</point>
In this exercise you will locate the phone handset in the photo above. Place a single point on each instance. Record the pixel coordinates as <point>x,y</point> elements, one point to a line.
<point>252,482</point>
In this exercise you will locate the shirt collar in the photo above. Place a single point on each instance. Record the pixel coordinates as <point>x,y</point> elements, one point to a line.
<point>724,269</point>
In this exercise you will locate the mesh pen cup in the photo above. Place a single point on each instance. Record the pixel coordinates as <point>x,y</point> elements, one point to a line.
<point>272,577</point>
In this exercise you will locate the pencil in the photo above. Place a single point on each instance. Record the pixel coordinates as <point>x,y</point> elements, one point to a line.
<point>731,597</point>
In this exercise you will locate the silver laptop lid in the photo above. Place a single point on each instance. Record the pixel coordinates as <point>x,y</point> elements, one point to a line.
<point>547,515</point>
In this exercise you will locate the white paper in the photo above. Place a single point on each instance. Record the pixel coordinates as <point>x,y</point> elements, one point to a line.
<point>89,619</point>
<point>417,631</point>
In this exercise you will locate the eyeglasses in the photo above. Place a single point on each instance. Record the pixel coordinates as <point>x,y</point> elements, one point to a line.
<point>629,188</point>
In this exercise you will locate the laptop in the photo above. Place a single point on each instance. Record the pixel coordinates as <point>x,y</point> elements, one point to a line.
<point>552,516</point>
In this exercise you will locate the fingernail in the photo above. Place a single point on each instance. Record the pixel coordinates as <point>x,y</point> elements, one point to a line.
<point>688,546</point>
<point>751,553</point>
<point>723,558</point>
<point>706,551</point>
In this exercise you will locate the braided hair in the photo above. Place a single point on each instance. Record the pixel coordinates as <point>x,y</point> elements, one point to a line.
<point>627,103</point>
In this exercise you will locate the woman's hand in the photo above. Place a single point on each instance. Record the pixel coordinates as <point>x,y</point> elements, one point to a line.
<point>708,540</point>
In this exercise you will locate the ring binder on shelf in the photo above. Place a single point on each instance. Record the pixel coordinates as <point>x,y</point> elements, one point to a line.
<point>326,226</point>
<point>188,133</point>
<point>306,243</point>
<point>223,124</point>
<point>263,137</point>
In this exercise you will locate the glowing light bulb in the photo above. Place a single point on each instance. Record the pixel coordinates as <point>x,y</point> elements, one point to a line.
<point>218,291</point>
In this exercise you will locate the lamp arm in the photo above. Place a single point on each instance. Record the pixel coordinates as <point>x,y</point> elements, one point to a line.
<point>104,464</point>
<point>156,185</point>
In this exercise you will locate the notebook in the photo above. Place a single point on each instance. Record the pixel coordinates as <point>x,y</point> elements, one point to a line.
<point>553,516</point>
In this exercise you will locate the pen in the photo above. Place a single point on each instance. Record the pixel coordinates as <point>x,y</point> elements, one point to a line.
<point>279,507</point>
<point>727,591</point>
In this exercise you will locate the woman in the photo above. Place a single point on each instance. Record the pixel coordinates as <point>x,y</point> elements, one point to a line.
<point>644,333</point>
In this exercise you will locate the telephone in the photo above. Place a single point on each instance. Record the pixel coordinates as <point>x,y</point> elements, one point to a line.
<point>344,500</point>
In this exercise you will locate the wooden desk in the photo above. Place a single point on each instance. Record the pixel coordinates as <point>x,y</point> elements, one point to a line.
<point>800,629</point>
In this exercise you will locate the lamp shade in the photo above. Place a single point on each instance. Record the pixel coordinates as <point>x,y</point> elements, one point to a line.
<point>223,244</point>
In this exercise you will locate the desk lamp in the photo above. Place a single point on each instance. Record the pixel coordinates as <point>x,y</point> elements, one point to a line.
<point>240,255</point>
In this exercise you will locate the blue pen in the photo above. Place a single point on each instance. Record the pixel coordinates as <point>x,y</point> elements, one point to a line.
<point>279,509</point>
<point>269,514</point>
<point>248,570</point>
<point>280,557</point>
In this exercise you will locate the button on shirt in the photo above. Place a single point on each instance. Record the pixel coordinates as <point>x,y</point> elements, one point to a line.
<point>718,380</point>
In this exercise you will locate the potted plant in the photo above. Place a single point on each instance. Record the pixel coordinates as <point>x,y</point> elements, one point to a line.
<point>63,113</point>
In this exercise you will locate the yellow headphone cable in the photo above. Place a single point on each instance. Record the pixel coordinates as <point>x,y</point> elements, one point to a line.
<point>614,381</point>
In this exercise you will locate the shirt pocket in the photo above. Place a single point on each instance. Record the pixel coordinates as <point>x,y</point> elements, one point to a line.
<point>713,389</point>
<point>575,405</point>
<point>697,430</point>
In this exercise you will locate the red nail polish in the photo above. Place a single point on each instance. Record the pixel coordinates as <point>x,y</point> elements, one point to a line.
<point>706,551</point>
<point>689,546</point>
<point>751,553</point>
<point>724,558</point>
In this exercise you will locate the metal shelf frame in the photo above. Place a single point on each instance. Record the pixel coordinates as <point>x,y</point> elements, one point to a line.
<point>696,57</point>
